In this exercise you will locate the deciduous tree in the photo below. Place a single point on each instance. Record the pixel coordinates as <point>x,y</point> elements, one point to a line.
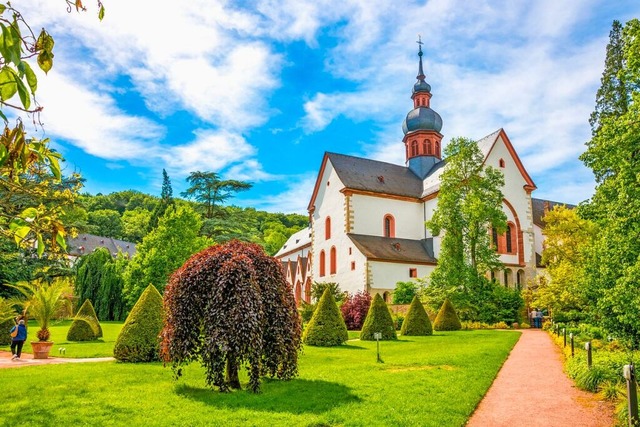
<point>230,305</point>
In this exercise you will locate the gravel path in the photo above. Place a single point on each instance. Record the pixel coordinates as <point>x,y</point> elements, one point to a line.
<point>532,390</point>
<point>28,360</point>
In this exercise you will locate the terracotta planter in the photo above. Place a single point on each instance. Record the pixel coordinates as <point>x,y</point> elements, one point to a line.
<point>41,349</point>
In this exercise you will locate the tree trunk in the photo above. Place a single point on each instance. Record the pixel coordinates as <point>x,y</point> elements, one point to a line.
<point>232,373</point>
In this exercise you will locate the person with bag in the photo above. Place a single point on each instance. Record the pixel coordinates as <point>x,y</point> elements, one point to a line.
<point>18,337</point>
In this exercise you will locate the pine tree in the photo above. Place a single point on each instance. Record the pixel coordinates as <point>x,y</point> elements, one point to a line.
<point>378,320</point>
<point>417,321</point>
<point>326,328</point>
<point>612,98</point>
<point>166,200</point>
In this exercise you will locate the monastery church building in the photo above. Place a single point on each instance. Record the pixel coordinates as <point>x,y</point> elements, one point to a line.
<point>367,218</point>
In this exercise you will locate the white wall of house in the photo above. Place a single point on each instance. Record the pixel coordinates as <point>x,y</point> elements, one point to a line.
<point>369,213</point>
<point>383,276</point>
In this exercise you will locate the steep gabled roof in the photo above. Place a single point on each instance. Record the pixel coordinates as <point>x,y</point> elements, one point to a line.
<point>540,208</point>
<point>487,143</point>
<point>393,249</point>
<point>298,240</point>
<point>357,173</point>
<point>86,243</point>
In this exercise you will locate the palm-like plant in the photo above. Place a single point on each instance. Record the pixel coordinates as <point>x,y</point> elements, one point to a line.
<point>44,300</point>
<point>7,309</point>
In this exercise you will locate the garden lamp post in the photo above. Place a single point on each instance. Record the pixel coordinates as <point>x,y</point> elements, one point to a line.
<point>632,397</point>
<point>378,336</point>
<point>587,346</point>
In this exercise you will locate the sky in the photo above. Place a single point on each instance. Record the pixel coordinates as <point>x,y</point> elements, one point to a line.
<point>259,90</point>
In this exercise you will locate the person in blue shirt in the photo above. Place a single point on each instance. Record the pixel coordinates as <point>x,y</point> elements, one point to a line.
<point>18,341</point>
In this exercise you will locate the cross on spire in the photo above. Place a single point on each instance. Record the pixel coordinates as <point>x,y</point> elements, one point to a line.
<point>420,75</point>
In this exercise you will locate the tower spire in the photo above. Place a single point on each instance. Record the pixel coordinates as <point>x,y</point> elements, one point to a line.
<point>420,75</point>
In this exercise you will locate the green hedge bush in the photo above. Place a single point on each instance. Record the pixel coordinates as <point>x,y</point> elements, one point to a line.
<point>378,320</point>
<point>5,327</point>
<point>87,312</point>
<point>138,340</point>
<point>447,318</point>
<point>82,330</point>
<point>417,321</point>
<point>326,327</point>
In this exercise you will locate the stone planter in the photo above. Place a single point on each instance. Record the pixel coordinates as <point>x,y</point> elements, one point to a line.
<point>41,349</point>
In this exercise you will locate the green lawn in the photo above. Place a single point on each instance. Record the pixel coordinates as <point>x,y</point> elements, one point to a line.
<point>100,348</point>
<point>424,381</point>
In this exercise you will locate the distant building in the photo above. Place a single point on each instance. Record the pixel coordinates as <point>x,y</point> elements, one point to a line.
<point>367,217</point>
<point>87,243</point>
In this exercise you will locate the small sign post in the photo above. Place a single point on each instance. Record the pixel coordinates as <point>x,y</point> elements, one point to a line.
<point>587,346</point>
<point>632,395</point>
<point>572,348</point>
<point>564,334</point>
<point>378,337</point>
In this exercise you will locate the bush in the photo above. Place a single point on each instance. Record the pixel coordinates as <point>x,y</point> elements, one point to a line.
<point>417,322</point>
<point>5,327</point>
<point>88,313</point>
<point>378,320</point>
<point>138,340</point>
<point>398,320</point>
<point>82,329</point>
<point>318,288</point>
<point>326,328</point>
<point>306,311</point>
<point>354,310</point>
<point>447,318</point>
<point>500,325</point>
<point>404,292</point>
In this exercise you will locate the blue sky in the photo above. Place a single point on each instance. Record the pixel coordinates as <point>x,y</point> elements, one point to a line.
<point>259,90</point>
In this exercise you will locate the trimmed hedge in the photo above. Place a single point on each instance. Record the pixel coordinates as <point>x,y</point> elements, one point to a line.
<point>5,327</point>
<point>447,318</point>
<point>378,320</point>
<point>82,330</point>
<point>87,312</point>
<point>138,340</point>
<point>417,321</point>
<point>326,327</point>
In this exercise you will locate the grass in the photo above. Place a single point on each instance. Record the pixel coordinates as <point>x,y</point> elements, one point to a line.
<point>102,347</point>
<point>426,381</point>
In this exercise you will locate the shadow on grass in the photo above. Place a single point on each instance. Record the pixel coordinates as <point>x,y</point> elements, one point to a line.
<point>295,396</point>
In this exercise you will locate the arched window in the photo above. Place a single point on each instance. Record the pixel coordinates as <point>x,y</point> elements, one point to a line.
<point>332,260</point>
<point>424,147</point>
<point>389,225</point>
<point>509,247</point>
<point>322,263</point>
<point>494,238</point>
<point>429,152</point>
<point>385,297</point>
<point>501,163</point>
<point>507,277</point>
<point>519,279</point>
<point>327,228</point>
<point>437,153</point>
<point>414,148</point>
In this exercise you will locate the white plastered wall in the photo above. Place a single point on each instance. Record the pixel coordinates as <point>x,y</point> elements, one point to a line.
<point>368,216</point>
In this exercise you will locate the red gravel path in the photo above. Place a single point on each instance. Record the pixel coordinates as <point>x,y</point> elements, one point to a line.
<point>28,360</point>
<point>532,390</point>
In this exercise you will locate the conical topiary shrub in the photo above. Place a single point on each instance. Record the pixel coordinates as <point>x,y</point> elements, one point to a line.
<point>139,338</point>
<point>378,320</point>
<point>326,327</point>
<point>88,313</point>
<point>447,318</point>
<point>417,322</point>
<point>82,330</point>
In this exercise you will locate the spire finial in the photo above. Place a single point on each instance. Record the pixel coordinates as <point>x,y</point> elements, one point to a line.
<point>420,75</point>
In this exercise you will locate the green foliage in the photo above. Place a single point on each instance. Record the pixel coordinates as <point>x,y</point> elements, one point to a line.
<point>210,191</point>
<point>135,224</point>
<point>447,318</point>
<point>5,327</point>
<point>230,305</point>
<point>613,259</point>
<point>378,320</point>
<point>110,301</point>
<point>318,288</point>
<point>405,292</point>
<point>326,328</point>
<point>139,338</point>
<point>82,330</point>
<point>306,311</point>
<point>87,313</point>
<point>90,271</point>
<point>106,222</point>
<point>163,251</point>
<point>469,203</point>
<point>44,300</point>
<point>417,321</point>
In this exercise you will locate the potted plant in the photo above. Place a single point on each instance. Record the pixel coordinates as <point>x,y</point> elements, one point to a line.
<point>44,300</point>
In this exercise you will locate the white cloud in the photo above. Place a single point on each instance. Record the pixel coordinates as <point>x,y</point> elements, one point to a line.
<point>295,197</point>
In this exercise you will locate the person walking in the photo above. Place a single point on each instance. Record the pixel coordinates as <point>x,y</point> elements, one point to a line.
<point>540,318</point>
<point>18,340</point>
<point>534,318</point>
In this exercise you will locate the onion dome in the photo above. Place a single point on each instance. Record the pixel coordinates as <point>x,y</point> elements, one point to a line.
<point>422,118</point>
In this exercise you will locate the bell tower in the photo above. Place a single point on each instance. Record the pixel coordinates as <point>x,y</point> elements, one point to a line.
<point>422,137</point>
